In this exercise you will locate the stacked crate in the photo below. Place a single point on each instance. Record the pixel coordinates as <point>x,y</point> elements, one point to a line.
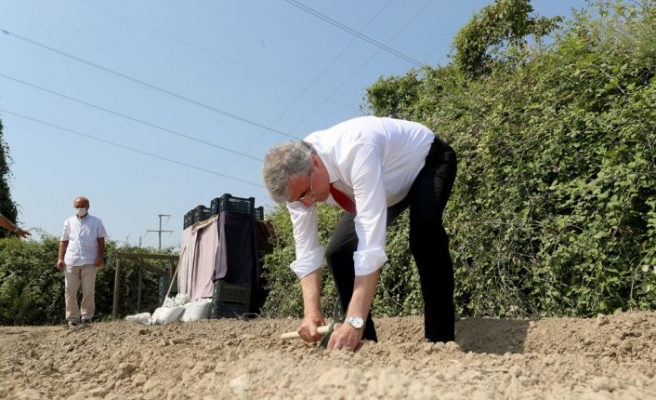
<point>197,214</point>
<point>230,203</point>
<point>227,203</point>
<point>230,300</point>
<point>259,213</point>
<point>189,219</point>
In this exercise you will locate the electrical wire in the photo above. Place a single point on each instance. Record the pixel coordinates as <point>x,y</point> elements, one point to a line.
<point>122,146</point>
<point>316,79</point>
<point>354,32</point>
<point>145,84</point>
<point>128,117</point>
<point>361,66</point>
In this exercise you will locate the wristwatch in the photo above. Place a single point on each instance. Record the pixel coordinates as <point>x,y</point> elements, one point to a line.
<point>355,321</point>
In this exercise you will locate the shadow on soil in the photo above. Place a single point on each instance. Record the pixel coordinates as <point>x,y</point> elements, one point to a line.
<point>486,335</point>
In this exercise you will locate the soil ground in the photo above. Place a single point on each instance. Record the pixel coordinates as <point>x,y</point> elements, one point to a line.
<point>607,357</point>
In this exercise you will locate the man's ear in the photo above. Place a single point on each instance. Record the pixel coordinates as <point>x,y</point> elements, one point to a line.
<point>316,161</point>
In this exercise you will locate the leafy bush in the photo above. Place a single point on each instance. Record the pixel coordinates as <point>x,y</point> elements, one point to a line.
<point>32,288</point>
<point>285,297</point>
<point>553,208</point>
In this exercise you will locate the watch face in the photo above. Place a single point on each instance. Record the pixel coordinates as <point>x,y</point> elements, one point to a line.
<point>355,322</point>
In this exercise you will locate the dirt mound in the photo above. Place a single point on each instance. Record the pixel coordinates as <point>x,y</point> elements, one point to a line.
<point>608,357</point>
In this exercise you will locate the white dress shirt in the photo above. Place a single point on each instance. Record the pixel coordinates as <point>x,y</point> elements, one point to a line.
<point>82,235</point>
<point>374,161</point>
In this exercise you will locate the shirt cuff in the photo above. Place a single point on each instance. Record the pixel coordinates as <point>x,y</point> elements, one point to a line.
<point>369,261</point>
<point>308,264</point>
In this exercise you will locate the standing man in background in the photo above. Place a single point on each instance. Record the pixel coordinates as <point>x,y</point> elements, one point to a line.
<point>10,226</point>
<point>81,253</point>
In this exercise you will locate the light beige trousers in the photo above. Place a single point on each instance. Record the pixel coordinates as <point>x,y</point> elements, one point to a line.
<point>75,277</point>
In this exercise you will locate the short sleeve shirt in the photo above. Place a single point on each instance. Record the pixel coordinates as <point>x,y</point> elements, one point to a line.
<point>82,235</point>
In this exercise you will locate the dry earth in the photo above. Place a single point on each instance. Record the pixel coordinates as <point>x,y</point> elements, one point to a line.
<point>608,357</point>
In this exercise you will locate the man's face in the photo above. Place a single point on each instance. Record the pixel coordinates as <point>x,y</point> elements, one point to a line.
<point>302,190</point>
<point>81,203</point>
<point>311,188</point>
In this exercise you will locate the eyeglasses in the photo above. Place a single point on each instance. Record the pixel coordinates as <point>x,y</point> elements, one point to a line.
<point>309,194</point>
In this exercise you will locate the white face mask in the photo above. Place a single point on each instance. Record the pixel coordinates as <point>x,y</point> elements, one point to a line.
<point>81,212</point>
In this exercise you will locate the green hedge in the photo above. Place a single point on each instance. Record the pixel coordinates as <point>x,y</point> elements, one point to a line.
<point>32,288</point>
<point>554,208</point>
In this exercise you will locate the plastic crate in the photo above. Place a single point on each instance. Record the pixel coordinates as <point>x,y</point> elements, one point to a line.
<point>228,310</point>
<point>189,219</point>
<point>259,213</point>
<point>231,293</point>
<point>201,213</point>
<point>230,203</point>
<point>230,300</point>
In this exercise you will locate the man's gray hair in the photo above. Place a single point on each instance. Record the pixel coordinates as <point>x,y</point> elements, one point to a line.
<point>285,162</point>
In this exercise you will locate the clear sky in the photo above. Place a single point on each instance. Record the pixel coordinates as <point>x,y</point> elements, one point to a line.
<point>152,107</point>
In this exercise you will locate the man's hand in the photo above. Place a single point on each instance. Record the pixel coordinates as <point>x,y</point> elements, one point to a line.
<point>21,232</point>
<point>99,262</point>
<point>345,337</point>
<point>308,330</point>
<point>61,264</point>
<point>313,317</point>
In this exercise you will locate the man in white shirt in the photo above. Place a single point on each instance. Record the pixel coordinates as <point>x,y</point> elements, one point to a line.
<point>373,168</point>
<point>81,253</point>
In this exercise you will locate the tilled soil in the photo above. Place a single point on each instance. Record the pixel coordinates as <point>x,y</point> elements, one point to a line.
<point>608,357</point>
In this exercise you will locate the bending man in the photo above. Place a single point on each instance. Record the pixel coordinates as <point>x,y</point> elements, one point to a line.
<point>373,168</point>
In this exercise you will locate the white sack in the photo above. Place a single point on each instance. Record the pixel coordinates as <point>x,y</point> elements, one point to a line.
<point>164,315</point>
<point>199,309</point>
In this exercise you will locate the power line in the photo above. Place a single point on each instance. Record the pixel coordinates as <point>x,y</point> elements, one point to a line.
<point>201,49</point>
<point>127,147</point>
<point>354,32</point>
<point>142,83</point>
<point>363,65</point>
<point>321,74</point>
<point>128,117</point>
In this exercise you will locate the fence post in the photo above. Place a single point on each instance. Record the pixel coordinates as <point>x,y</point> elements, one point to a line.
<point>117,280</point>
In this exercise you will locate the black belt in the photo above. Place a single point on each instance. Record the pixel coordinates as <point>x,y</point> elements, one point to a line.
<point>441,152</point>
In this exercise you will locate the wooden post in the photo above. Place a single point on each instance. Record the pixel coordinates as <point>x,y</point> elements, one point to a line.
<point>139,284</point>
<point>170,269</point>
<point>141,259</point>
<point>117,280</point>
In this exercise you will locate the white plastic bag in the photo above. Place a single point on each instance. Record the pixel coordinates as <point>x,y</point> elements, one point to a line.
<point>164,315</point>
<point>179,300</point>
<point>138,317</point>
<point>195,310</point>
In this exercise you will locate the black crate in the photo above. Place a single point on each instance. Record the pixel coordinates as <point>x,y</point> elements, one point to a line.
<point>259,213</point>
<point>230,203</point>
<point>189,219</point>
<point>201,213</point>
<point>230,300</point>
<point>228,310</point>
<point>231,293</point>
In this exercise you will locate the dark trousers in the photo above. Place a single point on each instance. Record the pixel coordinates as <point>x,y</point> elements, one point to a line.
<point>429,245</point>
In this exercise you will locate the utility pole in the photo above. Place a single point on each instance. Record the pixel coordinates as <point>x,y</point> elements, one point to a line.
<point>159,231</point>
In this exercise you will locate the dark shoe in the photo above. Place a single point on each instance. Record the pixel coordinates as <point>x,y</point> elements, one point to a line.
<point>442,338</point>
<point>370,331</point>
<point>86,322</point>
<point>73,324</point>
